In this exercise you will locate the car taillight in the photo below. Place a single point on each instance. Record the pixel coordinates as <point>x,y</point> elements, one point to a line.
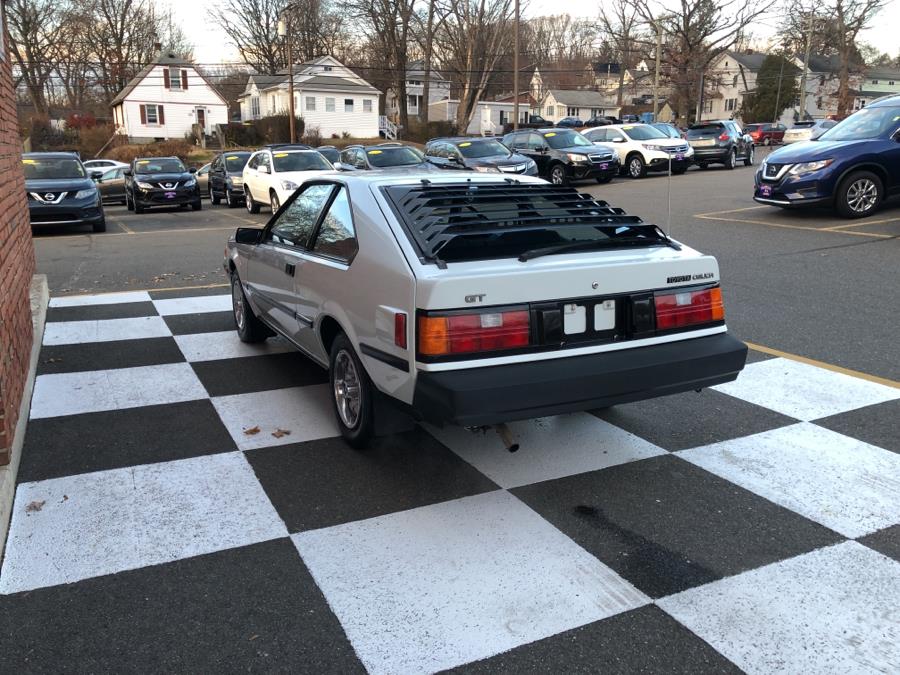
<point>688,308</point>
<point>471,333</point>
<point>724,136</point>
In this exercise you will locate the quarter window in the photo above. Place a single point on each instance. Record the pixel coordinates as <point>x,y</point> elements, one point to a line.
<point>329,105</point>
<point>337,238</point>
<point>297,222</point>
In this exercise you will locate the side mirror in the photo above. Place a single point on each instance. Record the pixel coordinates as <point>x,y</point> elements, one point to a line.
<point>263,168</point>
<point>338,166</point>
<point>248,235</point>
<point>127,172</point>
<point>544,149</point>
<point>618,140</point>
<point>192,170</point>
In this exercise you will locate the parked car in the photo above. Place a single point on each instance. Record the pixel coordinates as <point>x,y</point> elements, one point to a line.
<point>380,156</point>
<point>851,167</point>
<point>203,178</point>
<point>598,121</point>
<point>112,185</point>
<point>766,134</point>
<point>570,122</point>
<point>329,152</point>
<point>642,148</point>
<point>487,155</point>
<point>468,300</point>
<point>720,142</point>
<point>160,181</point>
<point>669,130</point>
<point>97,167</point>
<point>807,131</point>
<point>564,155</point>
<point>273,174</point>
<point>60,191</point>
<point>226,177</point>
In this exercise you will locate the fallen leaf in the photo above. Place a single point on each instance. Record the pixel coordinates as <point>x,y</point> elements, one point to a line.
<point>65,498</point>
<point>252,431</point>
<point>253,637</point>
<point>278,433</point>
<point>35,506</point>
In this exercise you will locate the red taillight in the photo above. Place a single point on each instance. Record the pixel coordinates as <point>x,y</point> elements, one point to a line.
<point>688,308</point>
<point>724,136</point>
<point>400,330</point>
<point>471,333</point>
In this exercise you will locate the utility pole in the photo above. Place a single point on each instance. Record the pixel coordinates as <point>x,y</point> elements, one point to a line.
<point>777,112</point>
<point>805,67</point>
<point>516,71</point>
<point>699,117</point>
<point>283,31</point>
<point>656,73</point>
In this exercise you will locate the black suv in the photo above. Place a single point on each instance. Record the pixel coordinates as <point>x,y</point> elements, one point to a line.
<point>226,178</point>
<point>562,155</point>
<point>380,156</point>
<point>160,181</point>
<point>480,154</point>
<point>720,142</point>
<point>329,152</point>
<point>60,191</point>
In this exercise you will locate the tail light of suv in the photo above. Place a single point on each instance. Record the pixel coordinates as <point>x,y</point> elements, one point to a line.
<point>676,310</point>
<point>724,136</point>
<point>456,333</point>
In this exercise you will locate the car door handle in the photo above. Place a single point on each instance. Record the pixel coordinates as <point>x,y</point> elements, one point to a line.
<point>289,269</point>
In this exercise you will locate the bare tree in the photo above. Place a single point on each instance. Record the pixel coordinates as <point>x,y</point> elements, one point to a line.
<point>620,23</point>
<point>851,16</point>
<point>34,27</point>
<point>75,59</point>
<point>252,27</point>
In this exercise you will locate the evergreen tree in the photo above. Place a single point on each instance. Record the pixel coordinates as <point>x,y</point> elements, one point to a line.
<point>760,106</point>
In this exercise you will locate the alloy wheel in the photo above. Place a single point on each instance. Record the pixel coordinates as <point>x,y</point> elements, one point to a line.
<point>557,176</point>
<point>273,202</point>
<point>237,302</point>
<point>634,167</point>
<point>862,195</point>
<point>347,390</point>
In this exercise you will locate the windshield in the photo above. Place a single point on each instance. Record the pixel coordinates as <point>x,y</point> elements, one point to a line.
<point>164,165</point>
<point>397,156</point>
<point>50,168</point>
<point>235,163</point>
<point>643,132</point>
<point>331,154</point>
<point>565,139</point>
<point>751,127</point>
<point>307,160</point>
<point>880,122</point>
<point>478,149</point>
<point>705,130</point>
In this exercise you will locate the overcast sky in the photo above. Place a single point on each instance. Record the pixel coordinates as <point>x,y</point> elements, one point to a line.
<point>210,46</point>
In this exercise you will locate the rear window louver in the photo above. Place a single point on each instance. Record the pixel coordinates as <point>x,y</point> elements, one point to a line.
<point>433,214</point>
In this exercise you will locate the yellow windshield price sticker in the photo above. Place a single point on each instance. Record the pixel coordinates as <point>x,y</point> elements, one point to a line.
<point>143,161</point>
<point>28,161</point>
<point>233,157</point>
<point>374,152</point>
<point>465,145</point>
<point>281,154</point>
<point>550,135</point>
<point>628,128</point>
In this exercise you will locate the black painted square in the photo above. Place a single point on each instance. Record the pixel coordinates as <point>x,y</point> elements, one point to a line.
<point>122,310</point>
<point>875,424</point>
<point>203,322</point>
<point>108,355</point>
<point>886,541</point>
<point>258,373</point>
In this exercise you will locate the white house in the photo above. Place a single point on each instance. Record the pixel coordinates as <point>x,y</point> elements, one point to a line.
<point>165,100</point>
<point>327,95</point>
<point>489,118</point>
<point>438,90</point>
<point>582,103</point>
<point>731,76</point>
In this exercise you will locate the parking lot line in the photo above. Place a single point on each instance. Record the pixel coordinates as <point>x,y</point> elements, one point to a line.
<point>882,221</point>
<point>822,364</point>
<point>139,290</point>
<point>180,230</point>
<point>719,215</point>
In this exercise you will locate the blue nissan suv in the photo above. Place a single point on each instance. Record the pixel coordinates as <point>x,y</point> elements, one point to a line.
<point>853,166</point>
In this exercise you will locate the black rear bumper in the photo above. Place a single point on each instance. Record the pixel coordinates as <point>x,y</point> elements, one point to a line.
<point>496,394</point>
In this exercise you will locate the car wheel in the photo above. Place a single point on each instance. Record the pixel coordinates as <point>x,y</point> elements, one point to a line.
<point>558,175</point>
<point>128,203</point>
<point>213,197</point>
<point>636,167</point>
<point>731,160</point>
<point>703,165</point>
<point>273,202</point>
<point>249,327</point>
<point>229,199</point>
<point>859,195</point>
<point>197,205</point>
<point>678,172</point>
<point>137,207</point>
<point>101,226</point>
<point>252,206</point>
<point>352,393</point>
<point>767,141</point>
<point>749,160</point>
<point>604,179</point>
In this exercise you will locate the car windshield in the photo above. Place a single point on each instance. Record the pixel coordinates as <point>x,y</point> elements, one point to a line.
<point>478,149</point>
<point>396,156</point>
<point>235,163</point>
<point>878,122</point>
<point>751,127</point>
<point>304,160</point>
<point>704,130</point>
<point>565,139</point>
<point>804,125</point>
<point>37,168</point>
<point>331,154</point>
<point>643,132</point>
<point>164,165</point>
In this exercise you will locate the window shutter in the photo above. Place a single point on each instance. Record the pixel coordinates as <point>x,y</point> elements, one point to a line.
<point>184,79</point>
<point>166,78</point>
<point>143,114</point>
<point>159,113</point>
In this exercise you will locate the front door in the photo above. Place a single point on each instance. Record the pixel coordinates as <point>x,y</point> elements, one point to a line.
<point>201,119</point>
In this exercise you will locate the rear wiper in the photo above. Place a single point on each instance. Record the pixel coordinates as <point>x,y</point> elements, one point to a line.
<point>598,243</point>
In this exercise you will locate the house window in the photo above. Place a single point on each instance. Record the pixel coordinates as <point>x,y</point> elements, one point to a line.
<point>175,78</point>
<point>152,114</point>
<point>273,109</point>
<point>707,106</point>
<point>730,104</point>
<point>367,105</point>
<point>504,117</point>
<point>415,83</point>
<point>328,69</point>
<point>311,103</point>
<point>596,112</point>
<point>254,106</point>
<point>549,111</point>
<point>874,81</point>
<point>329,105</point>
<point>572,112</point>
<point>348,105</point>
<point>891,82</point>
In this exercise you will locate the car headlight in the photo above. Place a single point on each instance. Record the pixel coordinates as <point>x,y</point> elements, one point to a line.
<point>144,186</point>
<point>84,194</point>
<point>530,164</point>
<point>652,147</point>
<point>289,185</point>
<point>576,158</point>
<point>487,169</point>
<point>809,167</point>
<point>190,182</point>
<point>236,180</point>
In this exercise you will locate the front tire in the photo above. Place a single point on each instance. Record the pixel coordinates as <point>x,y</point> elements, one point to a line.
<point>214,199</point>
<point>731,160</point>
<point>252,206</point>
<point>558,175</point>
<point>859,195</point>
<point>128,203</point>
<point>249,327</point>
<point>636,167</point>
<point>749,160</point>
<point>230,201</point>
<point>703,166</point>
<point>100,226</point>
<point>352,393</point>
<point>137,207</point>
<point>604,179</point>
<point>274,202</point>
<point>197,205</point>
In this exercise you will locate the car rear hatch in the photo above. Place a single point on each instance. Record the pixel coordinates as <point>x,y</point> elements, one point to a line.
<point>703,136</point>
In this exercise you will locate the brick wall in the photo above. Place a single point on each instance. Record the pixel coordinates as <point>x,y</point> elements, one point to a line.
<point>16,263</point>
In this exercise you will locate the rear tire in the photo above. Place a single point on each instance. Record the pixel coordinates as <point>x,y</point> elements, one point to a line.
<point>558,175</point>
<point>252,206</point>
<point>214,199</point>
<point>703,165</point>
<point>749,160</point>
<point>249,327</point>
<point>352,394</point>
<point>859,195</point>
<point>197,205</point>
<point>731,161</point>
<point>678,172</point>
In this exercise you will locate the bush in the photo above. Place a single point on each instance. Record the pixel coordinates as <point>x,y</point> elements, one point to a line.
<point>312,137</point>
<point>272,129</point>
<point>127,153</point>
<point>424,132</point>
<point>243,135</point>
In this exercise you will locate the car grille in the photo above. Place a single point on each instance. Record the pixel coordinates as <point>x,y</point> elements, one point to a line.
<point>168,185</point>
<point>49,197</point>
<point>513,168</point>
<point>675,149</point>
<point>601,157</point>
<point>772,170</point>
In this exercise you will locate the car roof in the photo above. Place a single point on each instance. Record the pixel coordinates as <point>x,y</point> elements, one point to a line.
<point>379,178</point>
<point>882,101</point>
<point>463,139</point>
<point>236,152</point>
<point>52,155</point>
<point>140,159</point>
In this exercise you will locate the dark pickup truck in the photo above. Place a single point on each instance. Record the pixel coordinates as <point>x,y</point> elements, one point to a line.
<point>532,122</point>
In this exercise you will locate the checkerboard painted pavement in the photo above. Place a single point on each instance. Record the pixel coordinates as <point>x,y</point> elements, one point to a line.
<point>752,527</point>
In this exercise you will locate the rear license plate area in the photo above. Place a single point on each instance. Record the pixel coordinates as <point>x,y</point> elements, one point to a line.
<point>582,321</point>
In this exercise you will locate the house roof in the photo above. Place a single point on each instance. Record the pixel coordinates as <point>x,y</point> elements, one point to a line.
<point>601,68</point>
<point>751,61</point>
<point>321,80</point>
<point>418,66</point>
<point>578,98</point>
<point>824,64</point>
<point>337,83</point>
<point>882,74</point>
<point>161,60</point>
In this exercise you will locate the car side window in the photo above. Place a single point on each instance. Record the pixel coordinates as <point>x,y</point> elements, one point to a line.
<point>253,162</point>
<point>298,221</point>
<point>361,159</point>
<point>109,175</point>
<point>600,135</point>
<point>264,161</point>
<point>535,142</point>
<point>337,236</point>
<point>612,134</point>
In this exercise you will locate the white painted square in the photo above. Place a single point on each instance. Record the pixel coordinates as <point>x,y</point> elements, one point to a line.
<point>95,390</point>
<point>100,299</point>
<point>193,305</point>
<point>108,330</point>
<point>549,447</point>
<point>442,585</point>
<point>304,411</point>
<point>847,485</point>
<point>101,523</point>
<point>226,345</point>
<point>834,610</point>
<point>804,392</point>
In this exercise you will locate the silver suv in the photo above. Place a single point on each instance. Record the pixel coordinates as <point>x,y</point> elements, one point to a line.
<point>477,299</point>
